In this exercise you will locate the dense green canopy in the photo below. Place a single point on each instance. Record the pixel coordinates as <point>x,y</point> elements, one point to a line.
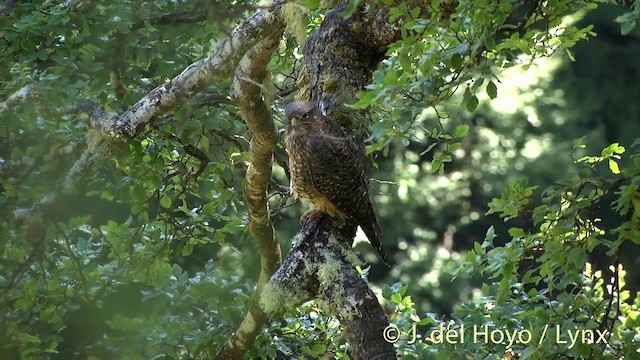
<point>504,137</point>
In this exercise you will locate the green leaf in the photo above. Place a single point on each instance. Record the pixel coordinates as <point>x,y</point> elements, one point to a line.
<point>435,165</point>
<point>613,165</point>
<point>477,84</point>
<point>626,27</point>
<point>455,146</point>
<point>477,247</point>
<point>405,62</point>
<point>310,4</point>
<point>516,232</point>
<point>364,100</point>
<point>455,61</point>
<point>319,349</point>
<point>155,181</point>
<point>106,194</point>
<point>204,142</point>
<point>461,130</point>
<point>490,235</point>
<point>431,146</point>
<point>165,202</point>
<point>209,208</point>
<point>492,90</point>
<point>391,78</point>
<point>137,208</point>
<point>138,193</point>
<point>612,150</point>
<point>471,256</point>
<point>472,103</point>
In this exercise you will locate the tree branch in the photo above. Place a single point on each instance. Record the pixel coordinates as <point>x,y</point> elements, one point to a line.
<point>321,265</point>
<point>338,61</point>
<point>19,96</point>
<point>217,67</point>
<point>247,93</point>
<point>114,131</point>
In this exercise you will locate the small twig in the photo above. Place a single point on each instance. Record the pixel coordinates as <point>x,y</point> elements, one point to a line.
<point>286,91</point>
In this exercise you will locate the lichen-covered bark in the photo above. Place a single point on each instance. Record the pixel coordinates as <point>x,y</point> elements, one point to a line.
<point>340,58</point>
<point>114,129</point>
<point>18,97</point>
<point>318,266</point>
<point>362,317</point>
<point>248,95</point>
<point>257,114</point>
<point>217,67</point>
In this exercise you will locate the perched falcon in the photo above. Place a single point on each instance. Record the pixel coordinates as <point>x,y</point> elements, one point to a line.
<point>329,169</point>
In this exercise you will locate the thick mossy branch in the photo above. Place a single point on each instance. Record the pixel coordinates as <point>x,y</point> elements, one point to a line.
<point>318,266</point>
<point>339,60</point>
<point>279,298</point>
<point>362,318</point>
<point>300,271</point>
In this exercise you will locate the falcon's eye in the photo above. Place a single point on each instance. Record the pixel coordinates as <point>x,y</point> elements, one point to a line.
<point>305,116</point>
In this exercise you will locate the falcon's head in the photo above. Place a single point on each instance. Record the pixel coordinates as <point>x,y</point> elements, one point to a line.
<point>302,116</point>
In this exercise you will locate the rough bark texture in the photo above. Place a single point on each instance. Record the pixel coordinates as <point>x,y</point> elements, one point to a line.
<point>340,58</point>
<point>217,67</point>
<point>18,97</point>
<point>364,332</point>
<point>319,266</point>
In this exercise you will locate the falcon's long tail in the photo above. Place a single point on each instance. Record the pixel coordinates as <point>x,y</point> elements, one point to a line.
<point>372,230</point>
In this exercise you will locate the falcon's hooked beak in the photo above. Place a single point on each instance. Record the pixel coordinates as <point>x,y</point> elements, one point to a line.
<point>294,123</point>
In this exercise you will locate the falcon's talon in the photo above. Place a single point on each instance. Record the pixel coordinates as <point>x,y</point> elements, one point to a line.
<point>313,214</point>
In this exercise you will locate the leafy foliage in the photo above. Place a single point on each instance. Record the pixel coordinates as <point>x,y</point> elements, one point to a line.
<point>431,64</point>
<point>541,298</point>
<point>629,20</point>
<point>150,257</point>
<point>127,256</point>
<point>540,281</point>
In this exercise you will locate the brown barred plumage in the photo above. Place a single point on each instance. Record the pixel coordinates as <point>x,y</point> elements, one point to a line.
<point>329,169</point>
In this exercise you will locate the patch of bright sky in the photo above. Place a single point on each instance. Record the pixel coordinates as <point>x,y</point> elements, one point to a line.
<point>516,87</point>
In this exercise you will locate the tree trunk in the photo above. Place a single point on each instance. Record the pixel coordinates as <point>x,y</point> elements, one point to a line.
<point>339,60</point>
